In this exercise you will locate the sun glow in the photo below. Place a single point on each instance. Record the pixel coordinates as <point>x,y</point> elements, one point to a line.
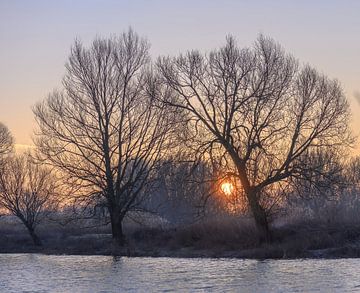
<point>227,188</point>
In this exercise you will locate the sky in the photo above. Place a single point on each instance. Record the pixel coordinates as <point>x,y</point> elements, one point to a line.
<point>36,36</point>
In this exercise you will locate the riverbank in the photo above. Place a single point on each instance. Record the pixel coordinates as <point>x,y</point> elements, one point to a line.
<point>212,239</point>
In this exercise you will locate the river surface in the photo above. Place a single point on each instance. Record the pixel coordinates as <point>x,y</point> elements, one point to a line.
<point>48,273</point>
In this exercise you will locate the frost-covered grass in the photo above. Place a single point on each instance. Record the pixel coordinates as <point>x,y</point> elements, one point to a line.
<point>308,229</point>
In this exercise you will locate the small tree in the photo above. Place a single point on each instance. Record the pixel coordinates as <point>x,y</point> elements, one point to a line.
<point>6,142</point>
<point>27,191</point>
<point>259,113</point>
<point>353,172</point>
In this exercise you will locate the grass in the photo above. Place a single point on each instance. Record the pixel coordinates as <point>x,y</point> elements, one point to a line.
<point>222,236</point>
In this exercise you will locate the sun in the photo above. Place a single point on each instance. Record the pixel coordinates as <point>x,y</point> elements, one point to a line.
<point>227,188</point>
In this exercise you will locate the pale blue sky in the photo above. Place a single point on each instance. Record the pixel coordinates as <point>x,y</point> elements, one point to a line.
<point>35,37</point>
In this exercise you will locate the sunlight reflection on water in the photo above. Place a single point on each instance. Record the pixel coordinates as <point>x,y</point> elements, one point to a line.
<point>43,273</point>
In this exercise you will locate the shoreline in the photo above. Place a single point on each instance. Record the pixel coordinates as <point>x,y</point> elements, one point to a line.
<point>261,253</point>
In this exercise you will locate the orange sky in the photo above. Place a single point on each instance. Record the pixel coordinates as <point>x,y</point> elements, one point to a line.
<point>35,38</point>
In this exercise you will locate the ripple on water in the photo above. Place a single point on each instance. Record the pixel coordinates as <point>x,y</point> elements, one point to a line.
<point>44,273</point>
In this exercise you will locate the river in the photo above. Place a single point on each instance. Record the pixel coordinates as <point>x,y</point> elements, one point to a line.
<point>49,273</point>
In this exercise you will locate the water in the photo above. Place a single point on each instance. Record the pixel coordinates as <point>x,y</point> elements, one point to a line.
<point>43,273</point>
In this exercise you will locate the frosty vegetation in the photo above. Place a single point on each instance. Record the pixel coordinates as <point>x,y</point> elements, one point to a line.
<point>131,139</point>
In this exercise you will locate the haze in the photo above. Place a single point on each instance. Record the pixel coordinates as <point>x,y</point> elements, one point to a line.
<point>36,37</point>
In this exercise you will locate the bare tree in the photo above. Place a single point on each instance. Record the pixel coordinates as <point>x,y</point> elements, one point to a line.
<point>6,141</point>
<point>323,175</point>
<point>106,130</point>
<point>183,190</point>
<point>258,113</point>
<point>27,191</point>
<point>353,172</point>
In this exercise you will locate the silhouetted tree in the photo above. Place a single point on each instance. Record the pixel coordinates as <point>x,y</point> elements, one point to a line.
<point>106,130</point>
<point>323,175</point>
<point>182,191</point>
<point>27,191</point>
<point>6,141</point>
<point>353,171</point>
<point>258,113</point>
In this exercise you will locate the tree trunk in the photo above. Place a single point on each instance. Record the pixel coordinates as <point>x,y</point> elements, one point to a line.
<point>116,228</point>
<point>252,196</point>
<point>260,216</point>
<point>34,237</point>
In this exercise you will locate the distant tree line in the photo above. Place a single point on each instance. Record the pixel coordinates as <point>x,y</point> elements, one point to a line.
<point>123,128</point>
